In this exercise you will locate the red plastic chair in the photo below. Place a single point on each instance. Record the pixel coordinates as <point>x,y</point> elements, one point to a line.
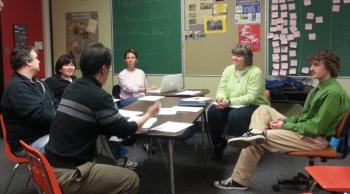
<point>330,178</point>
<point>41,170</point>
<point>10,155</point>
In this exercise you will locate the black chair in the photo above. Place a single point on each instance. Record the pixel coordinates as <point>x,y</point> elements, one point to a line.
<point>341,133</point>
<point>116,91</point>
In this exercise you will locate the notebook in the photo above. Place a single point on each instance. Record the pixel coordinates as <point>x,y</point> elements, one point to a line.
<point>169,83</point>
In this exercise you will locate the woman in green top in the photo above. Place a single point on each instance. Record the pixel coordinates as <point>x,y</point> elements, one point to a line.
<point>240,92</point>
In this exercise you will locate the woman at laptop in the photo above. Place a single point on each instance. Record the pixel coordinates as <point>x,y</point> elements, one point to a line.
<point>132,80</point>
<point>240,92</point>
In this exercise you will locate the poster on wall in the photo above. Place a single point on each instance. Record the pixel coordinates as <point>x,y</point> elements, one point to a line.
<point>195,11</point>
<point>20,35</point>
<point>250,34</point>
<point>214,24</point>
<point>81,29</point>
<point>247,12</point>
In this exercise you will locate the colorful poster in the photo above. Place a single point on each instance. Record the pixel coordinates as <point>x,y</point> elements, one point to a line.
<point>214,24</point>
<point>250,34</point>
<point>81,30</point>
<point>247,12</point>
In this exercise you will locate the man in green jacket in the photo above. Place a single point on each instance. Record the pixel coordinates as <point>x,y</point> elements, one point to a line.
<point>274,133</point>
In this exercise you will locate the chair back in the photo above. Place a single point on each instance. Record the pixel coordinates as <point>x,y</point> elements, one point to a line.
<point>41,170</point>
<point>10,155</point>
<point>342,132</point>
<point>116,91</point>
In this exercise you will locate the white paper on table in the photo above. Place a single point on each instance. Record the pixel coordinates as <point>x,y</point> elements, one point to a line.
<point>283,7</point>
<point>319,19</point>
<point>129,113</point>
<point>274,7</point>
<point>293,16</point>
<point>151,98</point>
<point>284,57</point>
<point>167,111</point>
<point>312,36</point>
<point>335,8</point>
<point>292,53</point>
<point>346,1</point>
<point>276,50</point>
<point>336,1</point>
<point>308,26</point>
<point>147,124</point>
<point>293,62</point>
<point>310,15</point>
<point>305,70</point>
<point>275,72</point>
<point>276,66</point>
<point>293,44</point>
<point>188,92</point>
<point>284,49</point>
<point>307,2</point>
<point>284,65</point>
<point>274,14</point>
<point>199,99</point>
<point>172,127</point>
<point>292,71</point>
<point>283,72</point>
<point>291,6</point>
<point>187,108</point>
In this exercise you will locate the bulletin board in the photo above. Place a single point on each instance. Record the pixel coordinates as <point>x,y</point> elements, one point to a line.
<point>321,26</point>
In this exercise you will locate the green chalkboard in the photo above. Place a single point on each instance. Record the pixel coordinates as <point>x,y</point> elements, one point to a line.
<point>153,29</point>
<point>332,34</point>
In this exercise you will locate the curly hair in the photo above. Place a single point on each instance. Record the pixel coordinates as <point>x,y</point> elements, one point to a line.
<point>329,58</point>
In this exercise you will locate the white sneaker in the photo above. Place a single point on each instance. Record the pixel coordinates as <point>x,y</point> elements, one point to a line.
<point>247,139</point>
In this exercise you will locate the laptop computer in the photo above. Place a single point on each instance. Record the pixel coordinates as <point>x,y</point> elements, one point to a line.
<point>169,83</point>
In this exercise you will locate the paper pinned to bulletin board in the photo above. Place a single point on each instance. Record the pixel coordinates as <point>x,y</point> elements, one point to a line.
<point>250,34</point>
<point>247,11</point>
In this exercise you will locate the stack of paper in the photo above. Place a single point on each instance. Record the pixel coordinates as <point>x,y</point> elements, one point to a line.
<point>172,127</point>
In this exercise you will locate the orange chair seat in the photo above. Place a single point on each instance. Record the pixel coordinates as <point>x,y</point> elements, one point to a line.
<point>329,152</point>
<point>331,178</point>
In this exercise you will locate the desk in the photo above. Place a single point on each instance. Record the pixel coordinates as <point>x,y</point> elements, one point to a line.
<point>288,96</point>
<point>188,117</point>
<point>203,92</point>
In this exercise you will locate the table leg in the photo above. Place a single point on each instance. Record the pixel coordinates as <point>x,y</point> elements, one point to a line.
<point>171,165</point>
<point>203,139</point>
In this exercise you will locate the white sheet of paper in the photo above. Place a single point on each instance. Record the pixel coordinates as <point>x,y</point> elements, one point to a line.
<point>308,26</point>
<point>147,124</point>
<point>293,16</point>
<point>129,113</point>
<point>274,14</point>
<point>274,7</point>
<point>310,15</point>
<point>279,28</point>
<point>280,21</point>
<point>290,37</point>
<point>293,63</point>
<point>199,99</point>
<point>116,99</point>
<point>293,28</point>
<point>151,98</point>
<point>187,108</point>
<point>284,14</point>
<point>269,35</point>
<point>305,70</point>
<point>293,44</point>
<point>346,1</point>
<point>307,2</point>
<point>291,6</point>
<point>274,1</point>
<point>285,22</point>
<point>283,72</point>
<point>188,92</point>
<point>275,57</point>
<point>284,57</point>
<point>292,53</point>
<point>292,71</point>
<point>319,19</point>
<point>282,1</point>
<point>276,66</point>
<point>273,29</point>
<point>296,34</point>
<point>273,22</point>
<point>312,36</point>
<point>167,111</point>
<point>283,7</point>
<point>285,31</point>
<point>275,43</point>
<point>284,65</point>
<point>276,37</point>
<point>284,41</point>
<point>335,8</point>
<point>276,50</point>
<point>275,72</point>
<point>293,22</point>
<point>336,1</point>
<point>172,127</point>
<point>284,49</point>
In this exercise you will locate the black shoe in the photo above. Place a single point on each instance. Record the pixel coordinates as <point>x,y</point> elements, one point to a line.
<point>219,151</point>
<point>229,184</point>
<point>148,148</point>
<point>247,139</point>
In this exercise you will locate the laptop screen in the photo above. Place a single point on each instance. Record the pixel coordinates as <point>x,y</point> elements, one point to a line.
<point>171,83</point>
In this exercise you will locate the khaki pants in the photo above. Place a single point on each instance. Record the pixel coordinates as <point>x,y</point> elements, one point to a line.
<point>92,178</point>
<point>277,141</point>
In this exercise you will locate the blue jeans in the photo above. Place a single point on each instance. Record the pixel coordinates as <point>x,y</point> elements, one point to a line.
<point>38,144</point>
<point>236,119</point>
